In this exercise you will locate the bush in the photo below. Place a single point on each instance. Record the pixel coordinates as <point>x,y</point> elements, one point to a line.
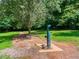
<point>5,23</point>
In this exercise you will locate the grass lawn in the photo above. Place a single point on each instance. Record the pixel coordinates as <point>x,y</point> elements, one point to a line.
<point>69,36</point>
<point>60,36</point>
<point>6,38</point>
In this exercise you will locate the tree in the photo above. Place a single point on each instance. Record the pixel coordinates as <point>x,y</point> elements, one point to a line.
<point>35,13</point>
<point>53,10</point>
<point>26,11</point>
<point>71,14</point>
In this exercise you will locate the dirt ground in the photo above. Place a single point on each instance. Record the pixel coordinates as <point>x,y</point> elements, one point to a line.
<point>69,50</point>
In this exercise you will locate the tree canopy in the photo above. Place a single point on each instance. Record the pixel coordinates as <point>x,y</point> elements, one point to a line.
<point>34,14</point>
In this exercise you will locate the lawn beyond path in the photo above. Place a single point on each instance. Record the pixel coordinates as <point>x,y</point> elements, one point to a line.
<point>6,39</point>
<point>69,36</point>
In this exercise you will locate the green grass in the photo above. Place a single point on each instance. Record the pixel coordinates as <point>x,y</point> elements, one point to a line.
<point>6,38</point>
<point>70,36</point>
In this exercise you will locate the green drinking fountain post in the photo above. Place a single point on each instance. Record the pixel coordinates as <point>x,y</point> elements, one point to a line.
<point>48,37</point>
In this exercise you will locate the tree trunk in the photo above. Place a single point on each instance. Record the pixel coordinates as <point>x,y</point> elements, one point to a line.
<point>28,17</point>
<point>29,31</point>
<point>29,25</point>
<point>29,28</point>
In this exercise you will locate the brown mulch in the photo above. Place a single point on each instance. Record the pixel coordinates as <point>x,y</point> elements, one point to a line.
<point>70,52</point>
<point>20,49</point>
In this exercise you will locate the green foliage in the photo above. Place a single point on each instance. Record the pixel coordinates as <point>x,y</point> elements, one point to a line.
<point>70,16</point>
<point>71,11</point>
<point>25,14</point>
<point>5,23</point>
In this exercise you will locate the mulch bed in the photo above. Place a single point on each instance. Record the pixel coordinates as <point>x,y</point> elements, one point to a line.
<point>70,52</point>
<point>20,50</point>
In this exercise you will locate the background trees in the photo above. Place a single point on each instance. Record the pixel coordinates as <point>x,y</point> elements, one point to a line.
<point>26,13</point>
<point>34,14</point>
